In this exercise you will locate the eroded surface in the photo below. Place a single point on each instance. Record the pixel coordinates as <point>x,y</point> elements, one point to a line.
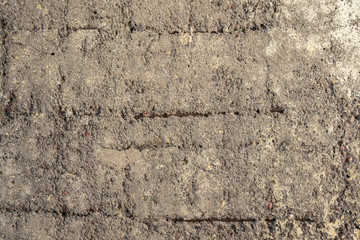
<point>179,119</point>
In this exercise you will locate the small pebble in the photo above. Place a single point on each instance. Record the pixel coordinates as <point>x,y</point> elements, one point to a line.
<point>87,135</point>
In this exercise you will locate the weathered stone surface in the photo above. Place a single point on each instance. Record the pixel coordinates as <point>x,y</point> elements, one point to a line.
<point>179,119</point>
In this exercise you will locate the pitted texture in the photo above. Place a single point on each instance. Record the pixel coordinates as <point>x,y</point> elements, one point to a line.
<point>186,119</point>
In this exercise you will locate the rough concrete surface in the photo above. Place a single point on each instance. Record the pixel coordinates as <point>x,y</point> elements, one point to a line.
<point>180,119</point>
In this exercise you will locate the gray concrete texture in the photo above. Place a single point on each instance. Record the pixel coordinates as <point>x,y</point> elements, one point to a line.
<point>180,119</point>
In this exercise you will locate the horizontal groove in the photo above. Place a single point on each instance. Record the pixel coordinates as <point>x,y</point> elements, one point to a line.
<point>163,145</point>
<point>146,146</point>
<point>183,114</point>
<point>135,30</point>
<point>66,213</point>
<point>301,219</point>
<point>211,220</point>
<point>61,213</point>
<point>230,220</point>
<point>277,110</point>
